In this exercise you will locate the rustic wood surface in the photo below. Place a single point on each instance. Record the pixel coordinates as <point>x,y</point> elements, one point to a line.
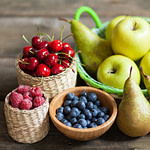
<point>19,17</point>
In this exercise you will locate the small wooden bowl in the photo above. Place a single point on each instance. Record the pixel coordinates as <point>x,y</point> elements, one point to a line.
<point>83,134</point>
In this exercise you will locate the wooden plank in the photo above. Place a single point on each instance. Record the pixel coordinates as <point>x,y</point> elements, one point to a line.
<point>53,8</point>
<point>113,140</point>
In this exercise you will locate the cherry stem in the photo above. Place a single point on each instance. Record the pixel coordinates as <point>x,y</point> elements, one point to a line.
<point>62,33</point>
<point>38,83</point>
<point>61,18</point>
<point>26,39</point>
<point>52,37</point>
<point>26,63</point>
<point>41,33</point>
<point>67,36</point>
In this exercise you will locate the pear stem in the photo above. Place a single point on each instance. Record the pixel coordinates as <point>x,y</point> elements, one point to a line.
<point>130,71</point>
<point>141,69</point>
<point>61,18</point>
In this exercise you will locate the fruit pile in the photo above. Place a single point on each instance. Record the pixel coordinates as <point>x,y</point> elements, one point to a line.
<point>45,58</point>
<point>83,111</point>
<point>26,98</point>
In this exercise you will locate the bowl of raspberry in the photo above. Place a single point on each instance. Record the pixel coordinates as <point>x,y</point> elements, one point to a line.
<point>26,113</point>
<point>83,113</point>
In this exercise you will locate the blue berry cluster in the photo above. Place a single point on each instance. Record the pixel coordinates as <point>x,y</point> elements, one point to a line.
<point>83,111</point>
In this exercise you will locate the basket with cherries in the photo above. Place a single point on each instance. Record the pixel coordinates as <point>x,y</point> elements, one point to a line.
<point>46,57</point>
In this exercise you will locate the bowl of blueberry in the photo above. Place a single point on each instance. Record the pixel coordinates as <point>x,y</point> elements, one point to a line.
<point>83,113</point>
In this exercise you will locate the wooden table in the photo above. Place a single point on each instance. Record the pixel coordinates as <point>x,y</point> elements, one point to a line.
<point>19,17</point>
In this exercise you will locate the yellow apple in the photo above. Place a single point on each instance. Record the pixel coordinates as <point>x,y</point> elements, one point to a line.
<point>131,37</point>
<point>112,25</point>
<point>115,70</point>
<point>145,63</point>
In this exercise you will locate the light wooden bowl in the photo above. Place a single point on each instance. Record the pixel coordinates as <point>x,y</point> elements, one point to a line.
<point>83,134</point>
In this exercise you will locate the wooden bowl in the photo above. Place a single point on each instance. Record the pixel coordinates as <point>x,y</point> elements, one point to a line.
<point>83,134</point>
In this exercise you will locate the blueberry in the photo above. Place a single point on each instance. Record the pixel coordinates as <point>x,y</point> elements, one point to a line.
<point>83,98</point>
<point>95,106</point>
<point>59,116</point>
<point>74,103</point>
<point>84,93</point>
<point>60,110</point>
<point>68,124</point>
<point>92,125</point>
<point>101,114</point>
<point>85,127</point>
<point>97,102</point>
<point>100,121</point>
<point>88,122</point>
<point>67,109</point>
<point>68,117</point>
<point>88,114</point>
<point>74,112</point>
<point>67,102</point>
<point>86,110</point>
<point>77,125</point>
<point>76,98</point>
<point>92,97</point>
<point>104,109</point>
<point>81,116</point>
<point>94,119</point>
<point>106,117</point>
<point>90,105</point>
<point>64,121</point>
<point>81,105</point>
<point>70,96</point>
<point>82,122</point>
<point>73,120</point>
<point>94,112</point>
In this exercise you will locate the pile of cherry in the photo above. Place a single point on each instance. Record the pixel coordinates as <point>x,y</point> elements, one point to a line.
<point>45,58</point>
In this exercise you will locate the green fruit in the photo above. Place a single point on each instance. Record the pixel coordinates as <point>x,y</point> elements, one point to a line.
<point>134,111</point>
<point>93,48</point>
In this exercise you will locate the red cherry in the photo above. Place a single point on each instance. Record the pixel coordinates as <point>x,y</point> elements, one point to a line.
<point>56,45</point>
<point>57,68</point>
<point>43,70</point>
<point>43,44</point>
<point>65,63</point>
<point>51,59</point>
<point>22,63</point>
<point>42,53</point>
<point>32,73</point>
<point>69,52</point>
<point>26,51</point>
<point>33,63</point>
<point>35,41</point>
<point>65,45</point>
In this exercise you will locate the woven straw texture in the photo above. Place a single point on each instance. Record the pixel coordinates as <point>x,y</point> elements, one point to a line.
<point>27,126</point>
<point>53,84</point>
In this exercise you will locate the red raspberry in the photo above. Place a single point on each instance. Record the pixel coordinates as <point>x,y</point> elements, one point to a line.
<point>23,88</point>
<point>26,104</point>
<point>38,101</point>
<point>27,95</point>
<point>36,91</point>
<point>15,99</point>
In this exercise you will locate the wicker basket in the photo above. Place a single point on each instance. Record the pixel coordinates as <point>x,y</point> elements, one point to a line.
<point>27,126</point>
<point>53,84</point>
<point>99,30</point>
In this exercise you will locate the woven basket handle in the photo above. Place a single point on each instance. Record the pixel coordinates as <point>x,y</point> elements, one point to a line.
<point>89,10</point>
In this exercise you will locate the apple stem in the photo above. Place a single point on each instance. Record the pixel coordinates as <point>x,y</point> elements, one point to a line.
<point>135,25</point>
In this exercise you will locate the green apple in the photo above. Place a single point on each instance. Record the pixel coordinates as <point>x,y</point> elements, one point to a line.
<point>131,37</point>
<point>112,25</point>
<point>145,63</point>
<point>115,70</point>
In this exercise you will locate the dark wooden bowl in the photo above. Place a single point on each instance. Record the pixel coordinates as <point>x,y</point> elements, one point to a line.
<point>83,134</point>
